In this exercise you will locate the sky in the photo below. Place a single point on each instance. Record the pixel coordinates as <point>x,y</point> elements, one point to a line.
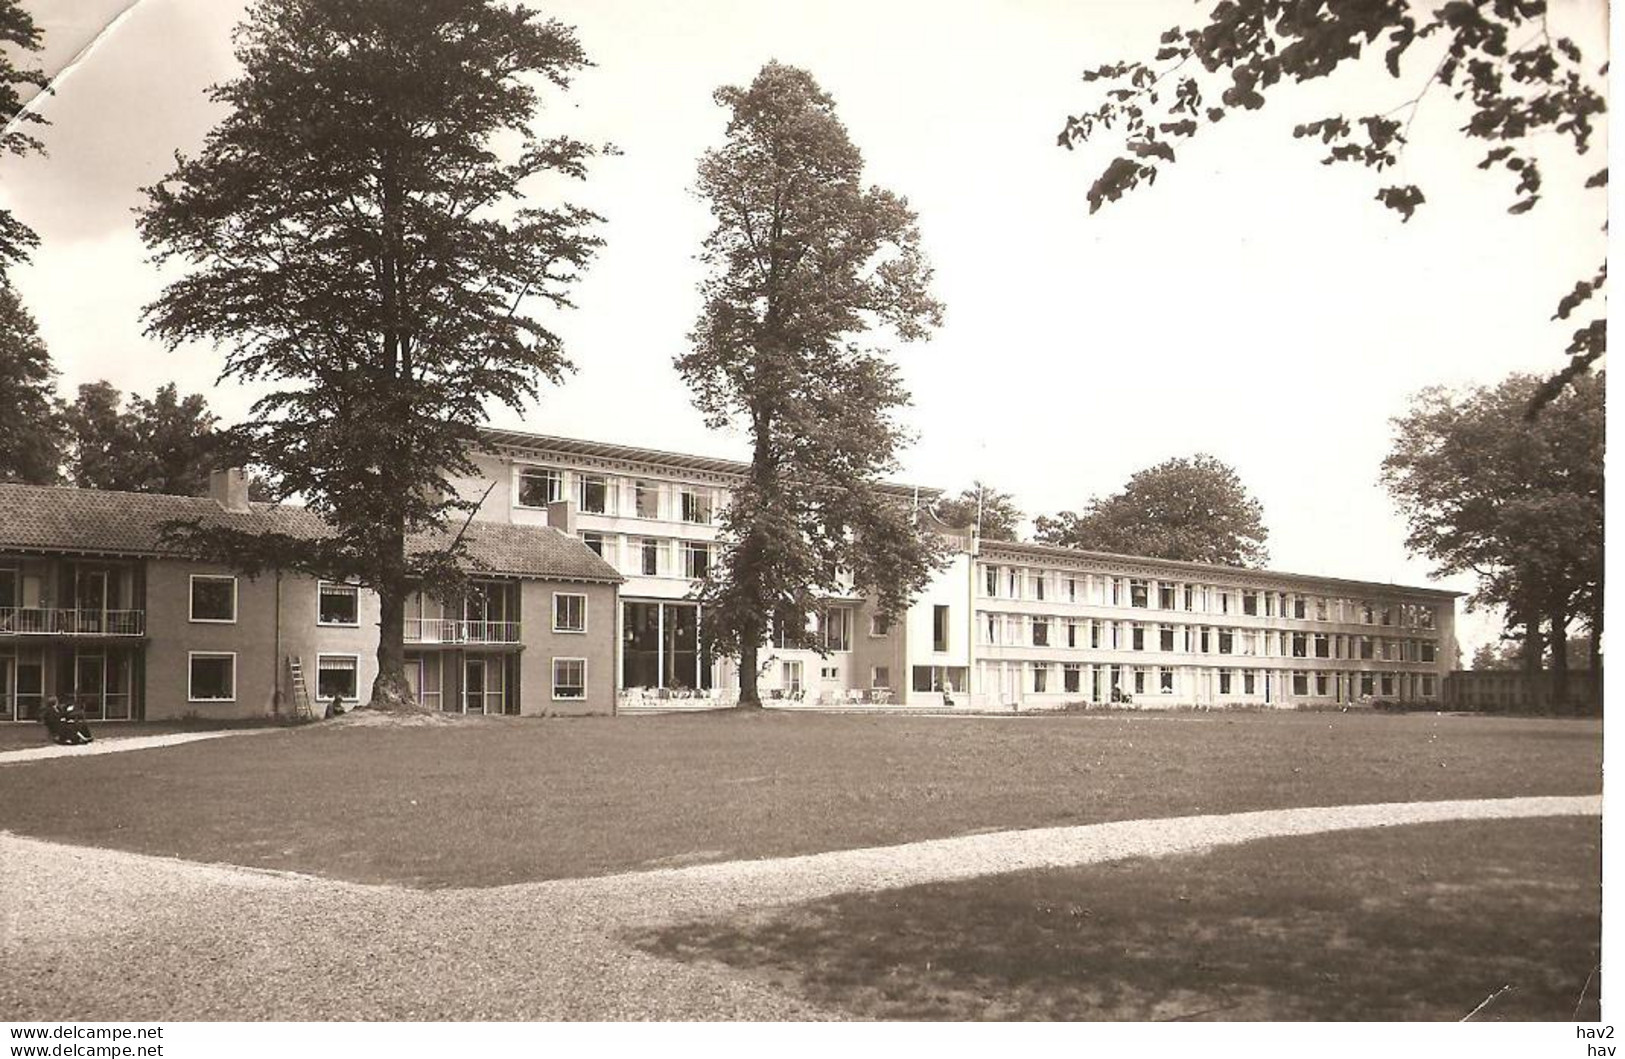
<point>1253,304</point>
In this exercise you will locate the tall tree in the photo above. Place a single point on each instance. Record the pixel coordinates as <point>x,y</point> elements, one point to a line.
<point>163,445</point>
<point>1195,510</point>
<point>981,504</point>
<point>806,265</point>
<point>1524,90</point>
<point>1519,503</point>
<point>362,231</point>
<point>17,34</point>
<point>31,431</point>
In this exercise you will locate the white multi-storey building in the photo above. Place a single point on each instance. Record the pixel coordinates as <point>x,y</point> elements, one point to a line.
<point>1003,624</point>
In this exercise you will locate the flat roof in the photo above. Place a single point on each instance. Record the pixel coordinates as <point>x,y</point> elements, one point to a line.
<point>677,461</point>
<point>1057,551</point>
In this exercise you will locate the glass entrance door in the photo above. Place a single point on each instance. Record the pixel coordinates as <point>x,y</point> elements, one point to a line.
<point>474,685</point>
<point>90,685</point>
<point>8,688</point>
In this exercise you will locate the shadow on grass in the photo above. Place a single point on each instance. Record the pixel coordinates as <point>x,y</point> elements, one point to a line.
<point>1414,923</point>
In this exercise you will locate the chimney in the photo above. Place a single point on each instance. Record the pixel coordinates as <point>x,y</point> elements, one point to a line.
<point>229,488</point>
<point>561,515</point>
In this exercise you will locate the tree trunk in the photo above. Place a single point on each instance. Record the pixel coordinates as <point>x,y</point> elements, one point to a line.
<point>1560,660</point>
<point>1534,648</point>
<point>391,691</point>
<point>750,697</point>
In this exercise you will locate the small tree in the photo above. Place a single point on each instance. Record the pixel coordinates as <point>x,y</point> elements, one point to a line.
<point>1522,89</point>
<point>360,232</point>
<point>17,34</point>
<point>805,263</point>
<point>163,445</point>
<point>31,431</point>
<point>1195,510</point>
<point>981,504</point>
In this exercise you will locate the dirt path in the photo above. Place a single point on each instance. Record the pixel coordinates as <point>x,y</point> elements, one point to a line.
<point>119,745</point>
<point>98,934</point>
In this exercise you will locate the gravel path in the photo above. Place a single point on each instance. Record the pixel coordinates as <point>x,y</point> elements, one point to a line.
<point>119,745</point>
<point>96,934</point>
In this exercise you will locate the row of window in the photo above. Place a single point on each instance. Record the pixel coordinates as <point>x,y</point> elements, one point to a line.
<point>212,677</point>
<point>1011,582</point>
<point>601,494</point>
<point>652,556</point>
<point>1231,682</point>
<point>1040,631</point>
<point>214,601</point>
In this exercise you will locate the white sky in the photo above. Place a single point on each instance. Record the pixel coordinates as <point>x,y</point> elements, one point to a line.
<point>1252,304</point>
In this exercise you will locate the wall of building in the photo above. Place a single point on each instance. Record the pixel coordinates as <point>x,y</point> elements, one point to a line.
<point>542,645</point>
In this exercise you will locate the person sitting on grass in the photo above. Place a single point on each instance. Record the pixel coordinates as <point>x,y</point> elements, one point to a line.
<point>336,707</point>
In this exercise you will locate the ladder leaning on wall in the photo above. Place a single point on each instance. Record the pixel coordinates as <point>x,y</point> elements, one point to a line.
<point>301,692</point>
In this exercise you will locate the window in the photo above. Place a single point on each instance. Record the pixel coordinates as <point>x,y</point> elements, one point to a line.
<point>1138,594</point>
<point>939,628</point>
<point>939,678</point>
<point>211,677</point>
<point>1015,583</point>
<point>790,678</point>
<point>696,505</point>
<point>1387,619</point>
<point>337,604</point>
<point>595,542</point>
<point>992,575</point>
<point>569,678</point>
<point>1387,683</point>
<point>1224,681</point>
<point>1249,603</point>
<point>538,488</point>
<point>1227,642</point>
<point>1205,640</point>
<point>1320,609</point>
<point>1072,589</point>
<point>1040,679</point>
<point>1224,603</point>
<point>1366,684</point>
<point>1300,607</point>
<point>1320,684</point>
<point>836,629</point>
<point>1094,634</point>
<point>1139,682</point>
<point>1166,637</point>
<point>1300,645</point>
<point>337,676</point>
<point>1300,683</point>
<point>829,672</point>
<point>1166,595</point>
<point>1117,591</point>
<point>649,557</point>
<point>1190,598</point>
<point>1323,645</point>
<point>696,559</point>
<point>1137,638</point>
<point>1039,584</point>
<point>1429,651</point>
<point>214,598</point>
<point>1071,678</point>
<point>592,494</point>
<point>1165,681</point>
<point>1071,634</point>
<point>569,612</point>
<point>1424,617</point>
<point>1040,632</point>
<point>646,498</point>
<point>1427,687</point>
<point>880,625</point>
<point>1249,682</point>
<point>880,677</point>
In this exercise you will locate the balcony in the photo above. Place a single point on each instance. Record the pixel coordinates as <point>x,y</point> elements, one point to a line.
<point>67,621</point>
<point>454,631</point>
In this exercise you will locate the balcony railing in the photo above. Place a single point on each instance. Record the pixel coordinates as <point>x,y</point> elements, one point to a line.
<point>452,630</point>
<point>67,621</point>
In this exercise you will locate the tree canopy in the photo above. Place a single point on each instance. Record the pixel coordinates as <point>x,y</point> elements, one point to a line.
<point>1195,510</point>
<point>165,444</point>
<point>808,272</point>
<point>1522,89</point>
<point>31,432</point>
<point>996,512</point>
<point>365,231</point>
<point>17,34</point>
<point>1517,503</point>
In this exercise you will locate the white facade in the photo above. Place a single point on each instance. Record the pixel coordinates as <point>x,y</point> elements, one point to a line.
<point>1003,625</point>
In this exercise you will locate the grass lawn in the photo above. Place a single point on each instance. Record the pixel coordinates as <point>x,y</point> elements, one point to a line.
<point>510,800</point>
<point>1409,923</point>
